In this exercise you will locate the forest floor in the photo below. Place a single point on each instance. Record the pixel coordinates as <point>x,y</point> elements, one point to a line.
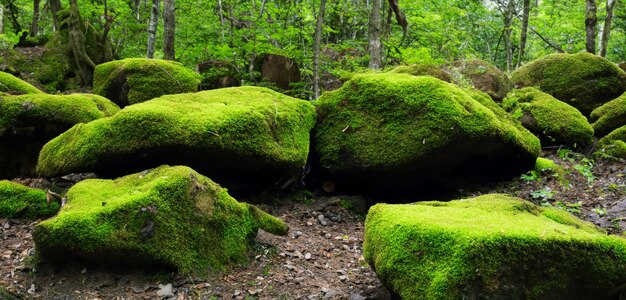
<point>321,258</point>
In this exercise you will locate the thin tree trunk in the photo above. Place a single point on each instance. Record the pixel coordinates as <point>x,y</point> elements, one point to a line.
<point>591,21</point>
<point>524,34</point>
<point>55,7</point>
<point>13,17</point>
<point>152,27</point>
<point>606,29</point>
<point>34,27</point>
<point>508,21</point>
<point>316,49</point>
<point>375,28</point>
<point>1,19</point>
<point>169,28</point>
<point>219,2</point>
<point>137,9</point>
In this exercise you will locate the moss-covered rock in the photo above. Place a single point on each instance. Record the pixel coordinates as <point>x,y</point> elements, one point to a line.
<point>491,247</point>
<point>13,85</point>
<point>553,121</point>
<point>29,121</point>
<point>397,129</point>
<point>613,144</point>
<point>169,216</point>
<point>545,165</point>
<point>135,80</point>
<point>582,80</point>
<point>18,201</point>
<point>423,70</point>
<point>609,116</point>
<point>482,76</point>
<point>240,132</point>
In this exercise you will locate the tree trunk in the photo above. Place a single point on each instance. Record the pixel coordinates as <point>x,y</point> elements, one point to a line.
<point>84,64</point>
<point>316,49</point>
<point>508,22</point>
<point>591,21</point>
<point>137,9</point>
<point>524,34</point>
<point>55,7</point>
<point>606,29</point>
<point>375,28</point>
<point>1,19</point>
<point>152,27</point>
<point>169,27</point>
<point>34,27</point>
<point>12,9</point>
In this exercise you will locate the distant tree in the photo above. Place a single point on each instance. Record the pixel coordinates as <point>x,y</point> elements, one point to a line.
<point>169,28</point>
<point>152,27</point>
<point>606,28</point>
<point>34,27</point>
<point>84,63</point>
<point>55,6</point>
<point>375,29</point>
<point>524,32</point>
<point>316,49</point>
<point>591,21</point>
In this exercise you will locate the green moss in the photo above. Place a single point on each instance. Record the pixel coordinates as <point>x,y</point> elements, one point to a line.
<point>423,70</point>
<point>13,85</point>
<point>553,121</point>
<point>240,128</point>
<point>481,75</point>
<point>142,79</point>
<point>493,246</point>
<point>613,144</point>
<point>18,201</point>
<point>582,80</point>
<point>544,165</point>
<point>171,216</point>
<point>609,116</point>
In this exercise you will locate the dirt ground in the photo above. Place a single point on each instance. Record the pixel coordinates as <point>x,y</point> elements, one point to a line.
<point>321,258</point>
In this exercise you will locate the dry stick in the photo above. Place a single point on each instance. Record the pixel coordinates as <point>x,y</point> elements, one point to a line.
<point>50,196</point>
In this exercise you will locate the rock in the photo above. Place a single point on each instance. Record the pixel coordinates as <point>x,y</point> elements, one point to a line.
<point>165,290</point>
<point>278,69</point>
<point>18,201</point>
<point>609,116</point>
<point>582,80</point>
<point>613,144</point>
<point>135,80</point>
<point>27,122</point>
<point>553,121</point>
<point>481,75</point>
<point>394,132</point>
<point>424,70</point>
<point>244,134</point>
<point>217,74</point>
<point>12,85</point>
<point>197,226</point>
<point>488,247</point>
<point>307,256</point>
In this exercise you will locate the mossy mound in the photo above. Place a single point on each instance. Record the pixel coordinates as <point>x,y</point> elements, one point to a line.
<point>168,216</point>
<point>13,85</point>
<point>582,80</point>
<point>553,121</point>
<point>399,130</point>
<point>491,247</point>
<point>241,132</point>
<point>545,165</point>
<point>135,80</point>
<point>424,70</point>
<point>609,116</point>
<point>613,144</point>
<point>29,121</point>
<point>482,76</point>
<point>18,201</point>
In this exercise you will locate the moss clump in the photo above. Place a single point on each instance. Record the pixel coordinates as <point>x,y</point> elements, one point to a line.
<point>170,216</point>
<point>613,144</point>
<point>136,80</point>
<point>242,130</point>
<point>609,116</point>
<point>582,80</point>
<point>18,201</point>
<point>553,121</point>
<point>424,70</point>
<point>544,165</point>
<point>13,85</point>
<point>482,76</point>
<point>493,246</point>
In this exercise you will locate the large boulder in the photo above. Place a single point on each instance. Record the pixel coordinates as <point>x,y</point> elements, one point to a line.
<point>482,76</point>
<point>12,85</point>
<point>553,121</point>
<point>135,80</point>
<point>18,201</point>
<point>491,247</point>
<point>277,69</point>
<point>398,130</point>
<point>27,122</point>
<point>249,134</point>
<point>433,70</point>
<point>168,216</point>
<point>582,80</point>
<point>609,116</point>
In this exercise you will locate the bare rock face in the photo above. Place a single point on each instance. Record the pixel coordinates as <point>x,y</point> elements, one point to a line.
<point>278,69</point>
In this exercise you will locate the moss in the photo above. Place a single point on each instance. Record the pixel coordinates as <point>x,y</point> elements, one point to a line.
<point>613,144</point>
<point>13,85</point>
<point>242,128</point>
<point>424,70</point>
<point>170,216</point>
<point>609,116</point>
<point>18,201</point>
<point>582,80</point>
<point>493,246</point>
<point>482,76</point>
<point>136,80</point>
<point>553,121</point>
<point>544,165</point>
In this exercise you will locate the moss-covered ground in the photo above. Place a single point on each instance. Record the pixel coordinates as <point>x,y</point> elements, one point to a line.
<point>18,201</point>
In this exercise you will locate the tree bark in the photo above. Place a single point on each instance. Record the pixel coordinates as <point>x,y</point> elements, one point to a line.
<point>137,9</point>
<point>400,17</point>
<point>152,27</point>
<point>34,27</point>
<point>84,63</point>
<point>1,19</point>
<point>606,29</point>
<point>169,28</point>
<point>55,7</point>
<point>591,20</point>
<point>12,10</point>
<point>508,22</point>
<point>524,34</point>
<point>375,28</point>
<point>316,49</point>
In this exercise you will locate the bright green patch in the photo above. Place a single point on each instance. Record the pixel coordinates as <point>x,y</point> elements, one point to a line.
<point>18,201</point>
<point>609,116</point>
<point>553,121</point>
<point>13,85</point>
<point>545,165</point>
<point>490,247</point>
<point>171,216</point>
<point>613,144</point>
<point>424,70</point>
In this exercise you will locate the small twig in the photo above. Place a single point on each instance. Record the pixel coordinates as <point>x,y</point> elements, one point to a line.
<point>52,196</point>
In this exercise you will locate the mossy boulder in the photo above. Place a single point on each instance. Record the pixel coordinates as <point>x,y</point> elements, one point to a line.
<point>18,201</point>
<point>168,216</point>
<point>613,144</point>
<point>250,134</point>
<point>433,70</point>
<point>135,80</point>
<point>29,121</point>
<point>491,247</point>
<point>482,76</point>
<point>400,130</point>
<point>582,80</point>
<point>553,121</point>
<point>12,85</point>
<point>609,116</point>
